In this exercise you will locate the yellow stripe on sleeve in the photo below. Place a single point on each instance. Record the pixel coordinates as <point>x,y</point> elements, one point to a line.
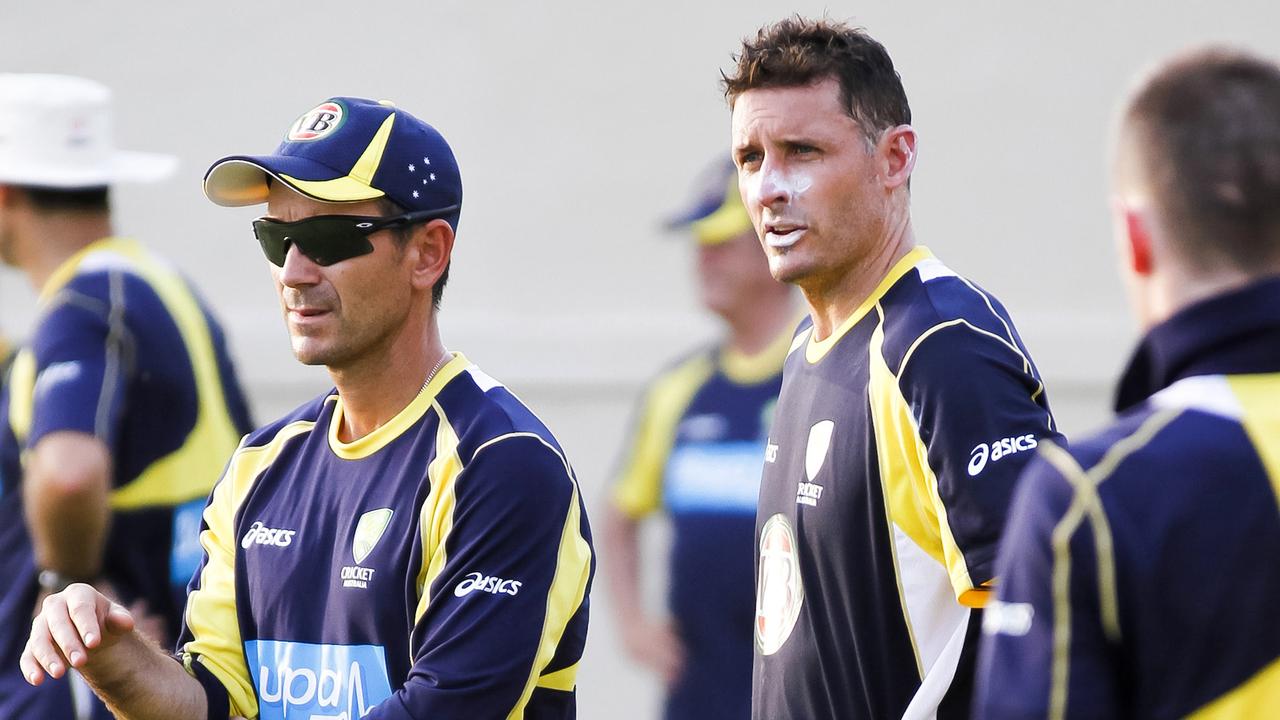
<point>22,394</point>
<point>436,517</point>
<point>568,588</point>
<point>911,505</point>
<point>211,607</point>
<point>189,471</point>
<point>1087,505</point>
<point>564,680</point>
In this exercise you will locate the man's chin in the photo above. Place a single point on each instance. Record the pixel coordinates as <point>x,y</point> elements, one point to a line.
<point>308,353</point>
<point>786,270</point>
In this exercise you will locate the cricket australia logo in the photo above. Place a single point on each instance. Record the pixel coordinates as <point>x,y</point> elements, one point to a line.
<point>815,456</point>
<point>369,530</point>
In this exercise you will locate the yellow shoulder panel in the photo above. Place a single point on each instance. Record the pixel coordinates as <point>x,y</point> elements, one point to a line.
<point>190,471</point>
<point>1257,697</point>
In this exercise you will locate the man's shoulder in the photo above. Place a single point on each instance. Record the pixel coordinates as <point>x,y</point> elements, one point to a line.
<point>933,299</point>
<point>482,411</point>
<point>302,418</point>
<point>1187,430</point>
<point>120,276</point>
<point>691,368</point>
<point>666,396</point>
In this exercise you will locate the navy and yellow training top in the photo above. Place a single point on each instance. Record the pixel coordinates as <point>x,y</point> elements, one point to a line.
<point>123,350</point>
<point>1139,577</point>
<point>889,469</point>
<point>438,567</point>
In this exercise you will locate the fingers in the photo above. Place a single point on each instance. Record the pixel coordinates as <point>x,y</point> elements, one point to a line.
<point>41,656</point>
<point>70,623</point>
<point>118,619</point>
<point>31,670</point>
<point>58,614</point>
<point>85,621</point>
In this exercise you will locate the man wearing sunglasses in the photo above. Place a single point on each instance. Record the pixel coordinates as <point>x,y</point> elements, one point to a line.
<point>409,545</point>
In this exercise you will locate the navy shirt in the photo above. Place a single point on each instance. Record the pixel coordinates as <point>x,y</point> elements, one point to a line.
<point>125,351</point>
<point>440,566</point>
<point>1139,575</point>
<point>892,458</point>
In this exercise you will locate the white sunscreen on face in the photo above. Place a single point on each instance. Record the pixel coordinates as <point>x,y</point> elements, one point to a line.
<point>793,185</point>
<point>782,190</point>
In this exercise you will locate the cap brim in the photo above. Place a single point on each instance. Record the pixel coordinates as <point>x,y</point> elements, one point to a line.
<point>241,180</point>
<point>684,219</point>
<point>122,167</point>
<point>729,222</point>
<point>712,224</point>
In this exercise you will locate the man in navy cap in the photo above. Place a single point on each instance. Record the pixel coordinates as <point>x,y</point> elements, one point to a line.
<point>410,544</point>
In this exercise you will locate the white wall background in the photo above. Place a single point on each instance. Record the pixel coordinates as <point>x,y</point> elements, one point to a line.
<point>577,125</point>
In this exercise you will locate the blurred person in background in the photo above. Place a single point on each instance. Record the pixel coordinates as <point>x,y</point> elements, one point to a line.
<point>122,409</point>
<point>908,401</point>
<point>696,453</point>
<point>1139,573</point>
<point>410,544</point>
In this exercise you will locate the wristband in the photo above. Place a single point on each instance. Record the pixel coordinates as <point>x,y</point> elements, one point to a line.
<point>54,581</point>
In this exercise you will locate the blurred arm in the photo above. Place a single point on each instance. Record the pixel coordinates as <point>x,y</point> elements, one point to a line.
<point>65,489</point>
<point>652,643</point>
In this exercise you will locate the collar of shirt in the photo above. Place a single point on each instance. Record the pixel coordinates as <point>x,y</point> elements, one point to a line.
<point>1236,332</point>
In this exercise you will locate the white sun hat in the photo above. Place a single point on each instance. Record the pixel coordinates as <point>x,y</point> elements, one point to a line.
<point>56,132</point>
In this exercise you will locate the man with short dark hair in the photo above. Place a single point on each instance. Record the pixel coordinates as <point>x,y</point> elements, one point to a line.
<point>908,401</point>
<point>121,408</point>
<point>695,454</point>
<point>1138,574</point>
<point>411,544</point>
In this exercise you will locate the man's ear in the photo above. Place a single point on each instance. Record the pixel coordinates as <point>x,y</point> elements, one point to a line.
<point>897,154</point>
<point>432,247</point>
<point>1137,242</point>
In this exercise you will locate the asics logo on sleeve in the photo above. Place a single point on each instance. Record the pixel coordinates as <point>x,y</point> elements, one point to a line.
<point>479,582</point>
<point>998,449</point>
<point>259,534</point>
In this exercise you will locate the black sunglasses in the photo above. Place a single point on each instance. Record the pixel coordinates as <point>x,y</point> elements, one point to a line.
<point>329,239</point>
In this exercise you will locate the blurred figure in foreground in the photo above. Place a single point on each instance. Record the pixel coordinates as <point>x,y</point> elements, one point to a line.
<point>1138,574</point>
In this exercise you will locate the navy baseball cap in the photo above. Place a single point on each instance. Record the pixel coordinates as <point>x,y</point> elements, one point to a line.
<point>348,149</point>
<point>716,213</point>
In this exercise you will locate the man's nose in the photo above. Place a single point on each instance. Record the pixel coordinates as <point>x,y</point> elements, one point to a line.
<point>774,188</point>
<point>298,269</point>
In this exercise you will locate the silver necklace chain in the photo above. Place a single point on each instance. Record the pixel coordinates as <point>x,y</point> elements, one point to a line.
<point>444,357</point>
